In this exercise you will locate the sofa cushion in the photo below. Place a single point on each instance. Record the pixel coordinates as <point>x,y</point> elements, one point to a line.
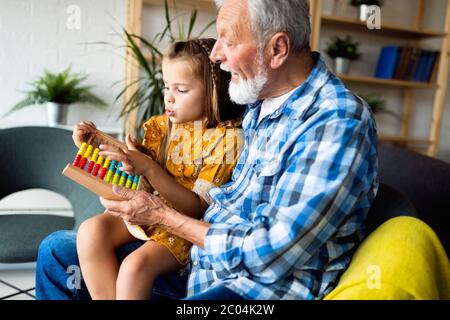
<point>21,234</point>
<point>402,259</point>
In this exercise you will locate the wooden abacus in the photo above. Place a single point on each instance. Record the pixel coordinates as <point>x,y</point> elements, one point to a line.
<point>101,173</point>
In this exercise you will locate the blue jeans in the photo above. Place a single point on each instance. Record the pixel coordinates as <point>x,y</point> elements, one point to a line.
<point>58,275</point>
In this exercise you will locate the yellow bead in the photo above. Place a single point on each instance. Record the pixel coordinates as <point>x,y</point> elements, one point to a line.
<point>122,181</point>
<point>82,149</point>
<point>100,160</point>
<point>134,186</point>
<point>88,151</point>
<point>116,179</point>
<point>95,155</point>
<point>106,164</point>
<point>108,176</point>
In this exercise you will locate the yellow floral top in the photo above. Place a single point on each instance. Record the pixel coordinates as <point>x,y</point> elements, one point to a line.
<point>199,159</point>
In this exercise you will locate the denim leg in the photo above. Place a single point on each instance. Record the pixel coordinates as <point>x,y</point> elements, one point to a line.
<point>171,286</point>
<point>218,292</point>
<point>58,275</point>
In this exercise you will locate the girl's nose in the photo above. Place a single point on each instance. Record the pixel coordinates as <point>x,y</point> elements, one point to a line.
<point>169,99</point>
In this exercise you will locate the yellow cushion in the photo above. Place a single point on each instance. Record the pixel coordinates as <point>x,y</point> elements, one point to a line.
<point>402,259</point>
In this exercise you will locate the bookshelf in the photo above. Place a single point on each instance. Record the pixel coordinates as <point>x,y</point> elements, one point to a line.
<point>413,33</point>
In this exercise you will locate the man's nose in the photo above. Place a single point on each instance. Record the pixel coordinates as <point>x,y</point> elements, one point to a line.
<point>217,53</point>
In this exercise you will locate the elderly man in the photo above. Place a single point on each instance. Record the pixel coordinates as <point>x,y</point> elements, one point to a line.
<point>287,223</point>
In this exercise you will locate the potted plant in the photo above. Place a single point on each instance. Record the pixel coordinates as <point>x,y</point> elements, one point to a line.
<point>147,98</point>
<point>343,51</point>
<point>57,92</point>
<point>377,105</point>
<point>364,5</point>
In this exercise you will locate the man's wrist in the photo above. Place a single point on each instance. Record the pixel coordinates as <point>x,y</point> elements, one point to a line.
<point>185,227</point>
<point>171,219</point>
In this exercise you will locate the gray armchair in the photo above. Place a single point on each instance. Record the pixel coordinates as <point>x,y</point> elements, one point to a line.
<point>34,157</point>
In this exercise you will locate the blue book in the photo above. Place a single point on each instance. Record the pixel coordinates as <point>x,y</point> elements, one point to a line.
<point>387,62</point>
<point>429,67</point>
<point>421,67</point>
<point>434,64</point>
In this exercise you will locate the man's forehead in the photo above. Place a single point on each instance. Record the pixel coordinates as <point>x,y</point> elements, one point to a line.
<point>232,17</point>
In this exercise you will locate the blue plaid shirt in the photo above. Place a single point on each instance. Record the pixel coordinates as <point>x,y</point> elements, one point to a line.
<point>285,226</point>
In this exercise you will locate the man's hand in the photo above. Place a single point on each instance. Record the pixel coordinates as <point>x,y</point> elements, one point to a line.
<point>133,161</point>
<point>142,208</point>
<point>137,207</point>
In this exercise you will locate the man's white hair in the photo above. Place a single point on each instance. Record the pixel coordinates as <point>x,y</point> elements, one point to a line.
<point>268,17</point>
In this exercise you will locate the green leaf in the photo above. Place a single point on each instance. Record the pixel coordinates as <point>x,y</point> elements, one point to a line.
<point>191,23</point>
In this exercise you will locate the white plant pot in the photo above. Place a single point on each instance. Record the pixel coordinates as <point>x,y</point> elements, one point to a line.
<point>57,114</point>
<point>364,12</point>
<point>341,65</point>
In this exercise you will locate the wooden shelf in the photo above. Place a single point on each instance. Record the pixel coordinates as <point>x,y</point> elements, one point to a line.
<point>388,30</point>
<point>404,141</point>
<point>386,82</point>
<point>207,5</point>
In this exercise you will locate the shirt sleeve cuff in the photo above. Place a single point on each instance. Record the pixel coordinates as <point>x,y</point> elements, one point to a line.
<point>202,187</point>
<point>224,243</point>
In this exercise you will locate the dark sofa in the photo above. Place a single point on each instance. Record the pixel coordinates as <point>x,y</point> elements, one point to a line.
<point>424,181</point>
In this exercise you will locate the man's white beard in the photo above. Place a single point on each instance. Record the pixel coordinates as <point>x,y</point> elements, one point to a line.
<point>246,91</point>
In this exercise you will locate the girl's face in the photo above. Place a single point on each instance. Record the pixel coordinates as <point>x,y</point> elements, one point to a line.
<point>184,91</point>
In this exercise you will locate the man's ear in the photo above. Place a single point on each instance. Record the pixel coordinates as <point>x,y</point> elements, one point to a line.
<point>280,46</point>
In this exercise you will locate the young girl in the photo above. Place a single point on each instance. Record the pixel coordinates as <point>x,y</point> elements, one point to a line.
<point>197,124</point>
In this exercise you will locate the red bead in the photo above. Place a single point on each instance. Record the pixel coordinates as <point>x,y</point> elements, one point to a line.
<point>96,168</point>
<point>76,161</point>
<point>83,163</point>
<point>90,166</point>
<point>103,173</point>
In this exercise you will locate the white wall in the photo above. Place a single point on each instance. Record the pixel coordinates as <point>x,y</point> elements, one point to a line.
<point>34,36</point>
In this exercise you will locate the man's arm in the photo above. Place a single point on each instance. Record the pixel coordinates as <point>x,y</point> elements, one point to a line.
<point>316,193</point>
<point>326,175</point>
<point>140,207</point>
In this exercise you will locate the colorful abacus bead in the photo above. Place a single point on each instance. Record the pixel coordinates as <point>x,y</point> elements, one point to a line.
<point>123,179</point>
<point>93,160</point>
<point>104,169</point>
<point>85,157</point>
<point>135,183</point>
<point>129,182</point>
<point>110,171</point>
<point>117,174</point>
<point>79,155</point>
<point>97,166</point>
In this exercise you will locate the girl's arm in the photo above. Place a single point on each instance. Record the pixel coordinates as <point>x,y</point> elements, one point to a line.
<point>137,163</point>
<point>182,199</point>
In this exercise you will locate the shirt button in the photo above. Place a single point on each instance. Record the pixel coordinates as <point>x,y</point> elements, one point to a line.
<point>195,263</point>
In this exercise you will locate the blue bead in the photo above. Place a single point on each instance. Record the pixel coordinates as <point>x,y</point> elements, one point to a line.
<point>112,165</point>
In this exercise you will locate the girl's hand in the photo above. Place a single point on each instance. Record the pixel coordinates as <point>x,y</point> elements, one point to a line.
<point>133,161</point>
<point>82,132</point>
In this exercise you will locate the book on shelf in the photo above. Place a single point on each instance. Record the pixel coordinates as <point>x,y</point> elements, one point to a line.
<point>406,63</point>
